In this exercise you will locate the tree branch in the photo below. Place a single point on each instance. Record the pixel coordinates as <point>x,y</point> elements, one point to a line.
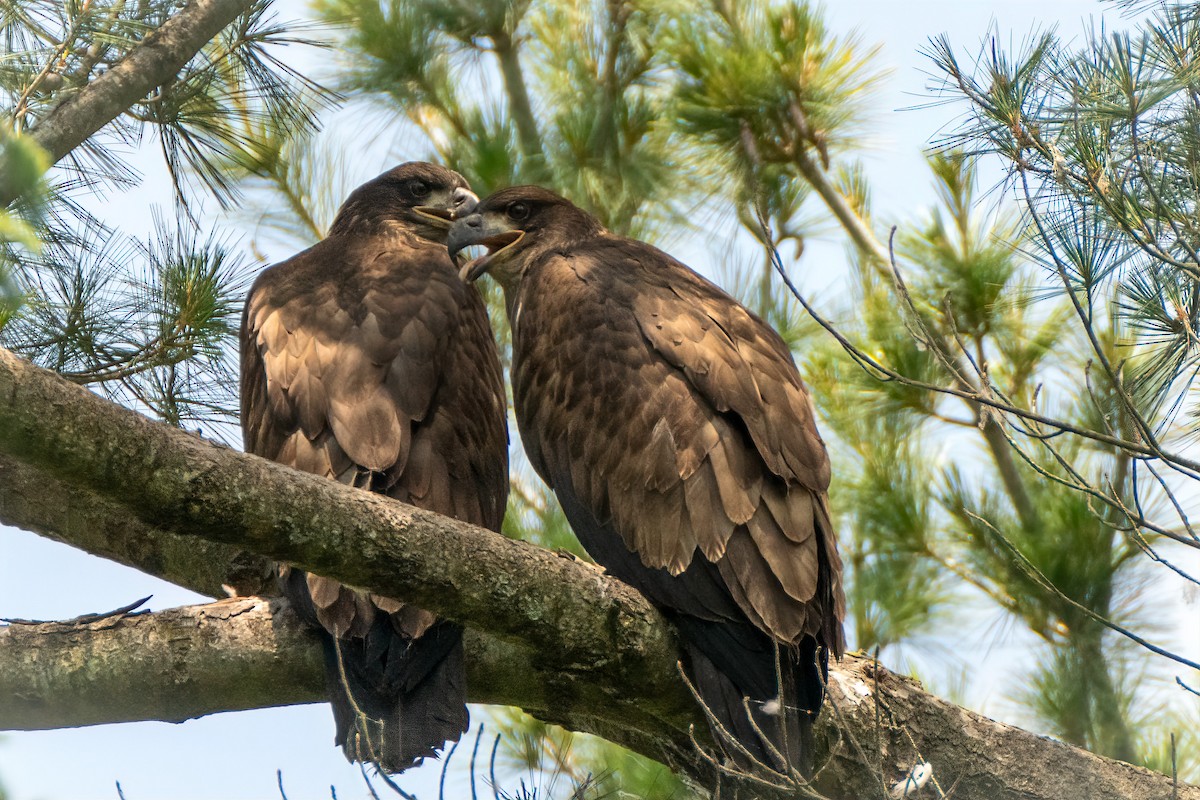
<point>238,654</point>
<point>507,55</point>
<point>154,61</point>
<point>252,652</point>
<point>108,529</point>
<point>171,666</point>
<point>856,227</point>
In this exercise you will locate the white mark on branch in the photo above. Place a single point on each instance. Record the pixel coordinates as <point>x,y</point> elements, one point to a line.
<point>917,777</point>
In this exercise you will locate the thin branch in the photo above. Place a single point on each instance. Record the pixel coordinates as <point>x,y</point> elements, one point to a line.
<point>1036,574</point>
<point>856,227</point>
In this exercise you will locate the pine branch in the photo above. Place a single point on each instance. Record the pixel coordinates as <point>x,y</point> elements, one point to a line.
<point>156,60</point>
<point>519,103</point>
<point>856,227</point>
<point>864,239</point>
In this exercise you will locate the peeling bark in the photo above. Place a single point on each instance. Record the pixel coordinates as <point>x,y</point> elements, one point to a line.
<point>549,634</point>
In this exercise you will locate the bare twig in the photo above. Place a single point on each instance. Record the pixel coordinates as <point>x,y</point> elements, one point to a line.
<point>1039,577</point>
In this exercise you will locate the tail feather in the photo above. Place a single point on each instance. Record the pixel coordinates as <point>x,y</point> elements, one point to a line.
<point>396,699</point>
<point>397,711</point>
<point>734,666</point>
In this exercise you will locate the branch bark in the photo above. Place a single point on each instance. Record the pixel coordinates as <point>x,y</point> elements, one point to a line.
<point>252,652</point>
<point>107,528</point>
<point>549,634</point>
<point>154,61</point>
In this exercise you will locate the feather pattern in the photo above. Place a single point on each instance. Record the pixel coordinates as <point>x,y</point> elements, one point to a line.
<point>687,376</point>
<point>674,427</point>
<point>366,359</point>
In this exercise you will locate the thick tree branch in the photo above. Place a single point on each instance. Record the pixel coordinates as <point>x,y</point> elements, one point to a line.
<point>251,652</point>
<point>171,666</point>
<point>237,654</point>
<point>35,501</point>
<point>154,61</point>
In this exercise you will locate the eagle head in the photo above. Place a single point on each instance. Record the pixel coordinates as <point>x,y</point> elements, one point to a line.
<point>424,197</point>
<point>515,225</point>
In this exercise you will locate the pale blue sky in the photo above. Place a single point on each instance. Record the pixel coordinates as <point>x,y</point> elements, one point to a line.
<point>235,756</point>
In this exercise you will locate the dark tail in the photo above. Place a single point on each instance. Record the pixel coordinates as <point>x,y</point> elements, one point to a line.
<point>396,700</point>
<point>729,662</point>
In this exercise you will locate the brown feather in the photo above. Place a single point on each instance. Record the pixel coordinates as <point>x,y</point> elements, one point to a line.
<point>783,617</point>
<point>367,360</point>
<point>707,513</point>
<point>793,564</point>
<point>794,510</point>
<point>736,486</point>
<point>675,429</point>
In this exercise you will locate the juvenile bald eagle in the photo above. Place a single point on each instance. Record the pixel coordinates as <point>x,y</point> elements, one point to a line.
<point>367,360</point>
<point>673,426</point>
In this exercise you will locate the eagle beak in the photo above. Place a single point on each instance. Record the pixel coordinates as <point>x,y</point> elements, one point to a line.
<point>464,201</point>
<point>475,229</point>
<point>459,203</point>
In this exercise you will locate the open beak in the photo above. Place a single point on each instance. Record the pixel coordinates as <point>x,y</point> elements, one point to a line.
<point>473,230</point>
<point>460,203</point>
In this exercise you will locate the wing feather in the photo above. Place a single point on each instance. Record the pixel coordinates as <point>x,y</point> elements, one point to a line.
<point>736,480</point>
<point>379,371</point>
<point>793,564</point>
<point>705,440</point>
<point>704,506</point>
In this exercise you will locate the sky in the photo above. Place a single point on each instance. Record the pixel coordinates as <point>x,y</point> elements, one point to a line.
<point>236,756</point>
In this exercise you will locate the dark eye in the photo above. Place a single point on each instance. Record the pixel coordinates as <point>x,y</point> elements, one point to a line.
<point>419,188</point>
<point>517,211</point>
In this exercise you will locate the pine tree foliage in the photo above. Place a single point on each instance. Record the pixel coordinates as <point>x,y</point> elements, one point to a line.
<point>1099,144</point>
<point>149,321</point>
<point>1010,425</point>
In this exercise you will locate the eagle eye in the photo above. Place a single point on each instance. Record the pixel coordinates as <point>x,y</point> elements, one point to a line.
<point>517,211</point>
<point>419,188</point>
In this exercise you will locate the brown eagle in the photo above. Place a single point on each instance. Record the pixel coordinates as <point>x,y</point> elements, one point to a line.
<point>367,360</point>
<point>673,426</point>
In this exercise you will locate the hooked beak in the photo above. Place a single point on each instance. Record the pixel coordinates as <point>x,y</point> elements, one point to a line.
<point>460,203</point>
<point>475,229</point>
